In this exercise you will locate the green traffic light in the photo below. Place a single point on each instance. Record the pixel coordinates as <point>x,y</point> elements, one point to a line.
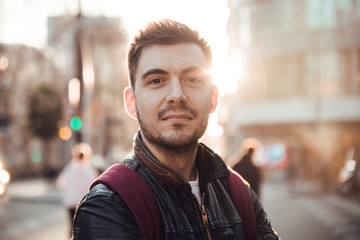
<point>75,123</point>
<point>36,156</point>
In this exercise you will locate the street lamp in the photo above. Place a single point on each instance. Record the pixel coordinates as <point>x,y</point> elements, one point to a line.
<point>88,76</point>
<point>74,91</point>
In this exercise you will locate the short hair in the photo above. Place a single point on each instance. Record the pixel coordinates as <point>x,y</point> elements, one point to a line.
<point>163,32</point>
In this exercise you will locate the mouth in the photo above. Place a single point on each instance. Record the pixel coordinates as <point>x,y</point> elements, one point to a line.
<point>177,117</point>
<point>177,114</point>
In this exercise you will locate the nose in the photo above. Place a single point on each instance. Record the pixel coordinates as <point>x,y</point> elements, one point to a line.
<point>176,91</point>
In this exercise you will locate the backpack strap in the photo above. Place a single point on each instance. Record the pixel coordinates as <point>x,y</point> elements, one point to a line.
<point>143,205</point>
<point>240,195</point>
<point>138,197</point>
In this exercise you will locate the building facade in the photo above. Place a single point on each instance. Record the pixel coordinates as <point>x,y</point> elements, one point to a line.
<point>91,49</point>
<point>300,84</point>
<point>22,71</point>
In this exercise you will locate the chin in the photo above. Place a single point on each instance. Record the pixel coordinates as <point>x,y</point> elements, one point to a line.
<point>181,139</point>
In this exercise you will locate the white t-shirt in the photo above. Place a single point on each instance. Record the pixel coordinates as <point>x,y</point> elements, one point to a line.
<point>195,189</point>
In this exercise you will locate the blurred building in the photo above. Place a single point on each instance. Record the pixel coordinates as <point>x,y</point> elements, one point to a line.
<point>22,71</point>
<point>93,49</point>
<point>299,83</point>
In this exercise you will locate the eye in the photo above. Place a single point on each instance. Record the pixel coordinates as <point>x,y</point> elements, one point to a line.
<point>192,80</point>
<point>155,81</point>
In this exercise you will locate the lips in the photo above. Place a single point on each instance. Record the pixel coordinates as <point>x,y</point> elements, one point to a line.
<point>180,112</point>
<point>177,117</point>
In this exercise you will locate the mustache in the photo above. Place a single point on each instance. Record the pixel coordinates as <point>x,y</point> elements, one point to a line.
<point>175,108</point>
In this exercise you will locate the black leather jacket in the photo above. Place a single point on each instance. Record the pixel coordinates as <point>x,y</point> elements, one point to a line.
<point>102,214</point>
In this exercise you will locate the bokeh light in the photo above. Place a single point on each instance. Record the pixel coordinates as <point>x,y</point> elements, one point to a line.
<point>36,156</point>
<point>65,133</point>
<point>76,123</point>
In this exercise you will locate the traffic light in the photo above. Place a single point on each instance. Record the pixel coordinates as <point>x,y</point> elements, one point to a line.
<point>36,156</point>
<point>75,123</point>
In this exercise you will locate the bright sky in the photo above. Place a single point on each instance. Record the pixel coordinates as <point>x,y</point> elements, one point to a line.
<point>25,22</point>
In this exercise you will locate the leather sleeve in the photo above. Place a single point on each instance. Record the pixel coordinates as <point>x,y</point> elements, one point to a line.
<point>102,214</point>
<point>264,231</point>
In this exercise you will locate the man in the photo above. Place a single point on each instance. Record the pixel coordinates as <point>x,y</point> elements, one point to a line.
<point>249,171</point>
<point>171,96</point>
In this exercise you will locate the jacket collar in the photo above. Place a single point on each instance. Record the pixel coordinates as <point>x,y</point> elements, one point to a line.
<point>209,164</point>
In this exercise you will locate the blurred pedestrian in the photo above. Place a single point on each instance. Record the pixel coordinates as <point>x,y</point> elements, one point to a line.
<point>249,171</point>
<point>75,179</point>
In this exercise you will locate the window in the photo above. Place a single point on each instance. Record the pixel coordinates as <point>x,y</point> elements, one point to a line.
<point>325,14</point>
<point>346,76</point>
<point>346,13</point>
<point>277,81</point>
<point>274,17</point>
<point>298,76</point>
<point>244,36</point>
<point>320,14</point>
<point>322,73</point>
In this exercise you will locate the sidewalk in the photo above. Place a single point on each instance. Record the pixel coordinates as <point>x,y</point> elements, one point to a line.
<point>307,213</point>
<point>297,215</point>
<point>33,188</point>
<point>33,211</point>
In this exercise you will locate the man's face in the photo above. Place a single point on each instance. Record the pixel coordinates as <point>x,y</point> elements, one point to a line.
<point>173,95</point>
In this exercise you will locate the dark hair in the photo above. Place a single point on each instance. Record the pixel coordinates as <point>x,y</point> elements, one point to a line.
<point>165,32</point>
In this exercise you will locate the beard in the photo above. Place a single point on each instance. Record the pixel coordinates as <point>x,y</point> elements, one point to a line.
<point>178,141</point>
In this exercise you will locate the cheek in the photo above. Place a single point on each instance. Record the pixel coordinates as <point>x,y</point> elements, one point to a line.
<point>203,102</point>
<point>146,108</point>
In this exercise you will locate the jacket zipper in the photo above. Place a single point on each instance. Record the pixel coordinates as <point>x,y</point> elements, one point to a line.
<point>205,217</point>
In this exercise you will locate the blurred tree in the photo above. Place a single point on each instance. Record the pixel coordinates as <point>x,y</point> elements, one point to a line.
<point>44,114</point>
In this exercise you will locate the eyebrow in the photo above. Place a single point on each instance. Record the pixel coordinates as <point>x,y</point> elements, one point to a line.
<point>153,71</point>
<point>194,69</point>
<point>163,72</point>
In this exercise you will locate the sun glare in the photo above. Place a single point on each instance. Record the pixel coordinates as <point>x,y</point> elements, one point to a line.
<point>209,17</point>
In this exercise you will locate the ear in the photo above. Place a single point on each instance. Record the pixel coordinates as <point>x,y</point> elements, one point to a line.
<point>214,98</point>
<point>129,100</point>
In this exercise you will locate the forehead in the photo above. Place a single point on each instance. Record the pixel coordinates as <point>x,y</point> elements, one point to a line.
<point>171,58</point>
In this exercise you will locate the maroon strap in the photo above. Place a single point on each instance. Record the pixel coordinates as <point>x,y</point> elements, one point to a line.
<point>241,198</point>
<point>138,197</point>
<point>142,203</point>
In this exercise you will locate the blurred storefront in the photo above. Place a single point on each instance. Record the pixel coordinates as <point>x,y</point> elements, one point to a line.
<point>300,85</point>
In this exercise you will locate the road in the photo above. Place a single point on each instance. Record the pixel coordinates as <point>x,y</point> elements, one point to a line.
<point>32,210</point>
<point>299,213</point>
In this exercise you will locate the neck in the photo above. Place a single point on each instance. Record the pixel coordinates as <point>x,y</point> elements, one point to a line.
<point>182,161</point>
